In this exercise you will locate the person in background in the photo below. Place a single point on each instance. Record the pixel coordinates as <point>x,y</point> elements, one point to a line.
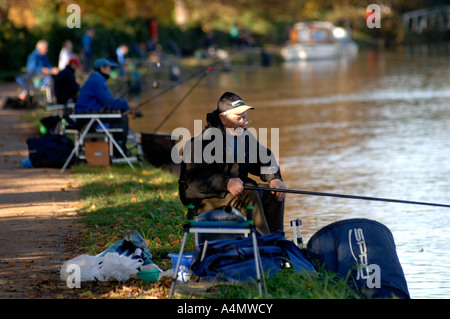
<point>96,97</point>
<point>38,62</point>
<point>40,72</point>
<point>121,59</point>
<point>66,85</point>
<point>65,54</point>
<point>234,38</point>
<point>86,53</point>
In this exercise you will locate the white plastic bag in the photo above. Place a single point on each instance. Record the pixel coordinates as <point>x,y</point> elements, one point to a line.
<point>89,267</point>
<point>112,266</point>
<point>118,267</point>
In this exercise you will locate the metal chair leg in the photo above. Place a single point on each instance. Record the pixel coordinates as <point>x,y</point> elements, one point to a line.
<point>261,281</point>
<point>175,275</point>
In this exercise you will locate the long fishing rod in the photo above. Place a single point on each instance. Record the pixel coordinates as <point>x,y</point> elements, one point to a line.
<point>302,192</point>
<point>123,93</point>
<point>201,73</point>
<point>205,72</point>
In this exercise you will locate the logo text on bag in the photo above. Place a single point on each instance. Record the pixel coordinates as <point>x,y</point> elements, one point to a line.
<point>358,247</point>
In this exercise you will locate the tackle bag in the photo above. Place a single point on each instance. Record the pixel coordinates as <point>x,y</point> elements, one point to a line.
<point>119,262</point>
<point>233,259</point>
<point>49,150</point>
<point>50,124</point>
<point>132,245</point>
<point>363,251</point>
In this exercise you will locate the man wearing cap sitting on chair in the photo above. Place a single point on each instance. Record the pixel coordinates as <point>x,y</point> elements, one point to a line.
<point>96,97</point>
<point>218,181</point>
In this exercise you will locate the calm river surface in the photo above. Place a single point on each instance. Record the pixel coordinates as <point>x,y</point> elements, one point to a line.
<point>377,125</point>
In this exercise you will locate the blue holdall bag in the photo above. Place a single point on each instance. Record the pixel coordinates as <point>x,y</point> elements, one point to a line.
<point>364,252</point>
<point>233,260</point>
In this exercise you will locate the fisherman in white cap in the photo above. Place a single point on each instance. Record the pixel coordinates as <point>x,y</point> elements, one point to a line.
<point>219,181</point>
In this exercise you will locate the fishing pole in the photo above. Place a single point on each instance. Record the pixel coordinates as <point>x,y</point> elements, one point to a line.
<point>201,72</point>
<point>205,72</point>
<point>125,92</point>
<point>302,192</point>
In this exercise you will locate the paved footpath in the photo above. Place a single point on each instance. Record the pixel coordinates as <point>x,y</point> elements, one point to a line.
<point>37,210</point>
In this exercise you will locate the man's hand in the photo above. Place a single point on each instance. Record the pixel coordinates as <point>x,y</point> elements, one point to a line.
<point>48,71</point>
<point>235,186</point>
<point>278,183</point>
<point>134,108</point>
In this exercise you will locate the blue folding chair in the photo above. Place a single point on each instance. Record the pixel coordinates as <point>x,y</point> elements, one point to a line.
<point>246,227</point>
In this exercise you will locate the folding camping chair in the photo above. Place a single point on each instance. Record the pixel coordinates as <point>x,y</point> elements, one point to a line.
<point>223,227</point>
<point>38,89</point>
<point>96,118</point>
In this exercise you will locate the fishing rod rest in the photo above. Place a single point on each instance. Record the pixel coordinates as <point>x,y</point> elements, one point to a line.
<point>295,224</point>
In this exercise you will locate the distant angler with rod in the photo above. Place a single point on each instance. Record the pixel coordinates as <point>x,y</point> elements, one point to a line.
<point>96,97</point>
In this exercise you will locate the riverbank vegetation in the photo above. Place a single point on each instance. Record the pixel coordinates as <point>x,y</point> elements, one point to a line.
<point>180,26</point>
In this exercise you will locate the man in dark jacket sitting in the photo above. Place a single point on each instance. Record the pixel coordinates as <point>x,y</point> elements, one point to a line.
<point>66,85</point>
<point>215,178</point>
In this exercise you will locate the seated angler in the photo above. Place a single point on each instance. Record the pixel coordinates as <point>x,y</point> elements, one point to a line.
<point>95,96</point>
<point>66,85</point>
<point>219,181</point>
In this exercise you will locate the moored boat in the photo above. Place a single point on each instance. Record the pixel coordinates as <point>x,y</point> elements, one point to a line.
<point>316,41</point>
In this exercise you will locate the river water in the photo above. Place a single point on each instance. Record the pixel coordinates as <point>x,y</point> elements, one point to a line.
<point>377,125</point>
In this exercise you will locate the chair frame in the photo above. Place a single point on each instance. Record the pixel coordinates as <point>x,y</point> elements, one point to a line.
<point>223,227</point>
<point>96,117</point>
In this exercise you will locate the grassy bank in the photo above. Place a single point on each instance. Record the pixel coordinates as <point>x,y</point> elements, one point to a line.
<point>117,200</point>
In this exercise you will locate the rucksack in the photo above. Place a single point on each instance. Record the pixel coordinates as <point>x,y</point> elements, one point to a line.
<point>233,259</point>
<point>49,150</point>
<point>363,251</point>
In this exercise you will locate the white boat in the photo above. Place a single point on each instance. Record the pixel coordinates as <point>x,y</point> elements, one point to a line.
<point>318,40</point>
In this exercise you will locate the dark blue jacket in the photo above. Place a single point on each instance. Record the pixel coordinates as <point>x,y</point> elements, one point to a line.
<point>95,94</point>
<point>36,61</point>
<point>66,86</point>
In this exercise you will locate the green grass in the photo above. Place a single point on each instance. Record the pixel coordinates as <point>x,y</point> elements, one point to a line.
<point>117,200</point>
<point>288,284</point>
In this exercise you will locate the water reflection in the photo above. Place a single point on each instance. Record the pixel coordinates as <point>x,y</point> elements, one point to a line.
<point>375,126</point>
